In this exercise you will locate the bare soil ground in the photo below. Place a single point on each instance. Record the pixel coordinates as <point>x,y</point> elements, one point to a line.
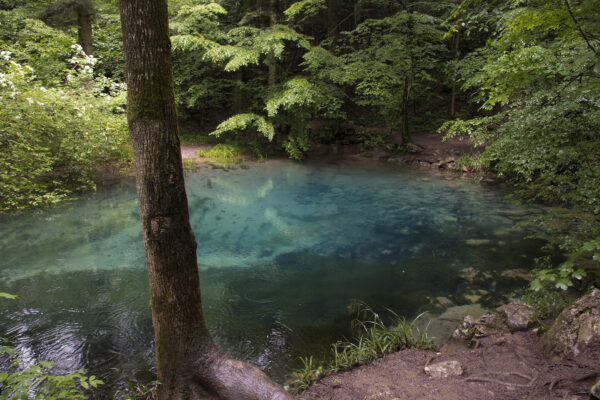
<point>188,152</point>
<point>502,367</point>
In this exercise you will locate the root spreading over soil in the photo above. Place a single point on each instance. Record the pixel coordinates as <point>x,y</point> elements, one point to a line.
<point>501,367</point>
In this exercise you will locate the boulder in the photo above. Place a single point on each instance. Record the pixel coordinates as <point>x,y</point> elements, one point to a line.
<point>575,329</point>
<point>519,316</point>
<point>444,369</point>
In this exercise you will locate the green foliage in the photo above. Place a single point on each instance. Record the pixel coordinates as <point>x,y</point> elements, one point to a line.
<point>37,382</point>
<point>255,44</point>
<point>561,277</point>
<point>548,303</point>
<point>304,9</point>
<point>370,139</point>
<point>246,122</point>
<point>304,377</point>
<point>224,154</point>
<point>52,139</point>
<point>31,42</point>
<point>373,340</point>
<point>537,84</point>
<point>387,62</point>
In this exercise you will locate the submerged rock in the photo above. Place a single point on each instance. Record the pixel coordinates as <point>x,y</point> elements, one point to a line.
<point>519,316</point>
<point>444,301</point>
<point>477,242</point>
<point>517,273</point>
<point>575,329</point>
<point>444,369</point>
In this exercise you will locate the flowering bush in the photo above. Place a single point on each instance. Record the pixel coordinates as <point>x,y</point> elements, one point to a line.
<point>52,139</point>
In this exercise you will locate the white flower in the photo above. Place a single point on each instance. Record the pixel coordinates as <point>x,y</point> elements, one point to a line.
<point>5,54</point>
<point>43,89</point>
<point>29,100</point>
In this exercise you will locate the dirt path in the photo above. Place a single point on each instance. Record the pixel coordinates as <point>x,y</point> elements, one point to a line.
<point>501,368</point>
<point>189,152</point>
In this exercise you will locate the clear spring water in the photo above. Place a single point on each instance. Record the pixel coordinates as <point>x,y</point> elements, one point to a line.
<point>283,249</point>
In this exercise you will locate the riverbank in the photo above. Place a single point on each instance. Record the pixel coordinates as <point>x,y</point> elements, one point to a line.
<point>433,152</point>
<point>506,366</point>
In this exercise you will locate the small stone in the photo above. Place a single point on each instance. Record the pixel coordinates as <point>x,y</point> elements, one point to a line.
<point>444,301</point>
<point>473,298</point>
<point>469,273</point>
<point>477,242</point>
<point>444,369</point>
<point>519,316</point>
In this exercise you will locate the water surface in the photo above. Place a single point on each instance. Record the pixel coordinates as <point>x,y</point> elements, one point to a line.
<point>283,250</point>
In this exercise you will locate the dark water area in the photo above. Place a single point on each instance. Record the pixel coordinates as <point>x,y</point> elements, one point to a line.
<point>283,250</point>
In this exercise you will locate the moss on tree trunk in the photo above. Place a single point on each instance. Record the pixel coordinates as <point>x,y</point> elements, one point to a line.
<point>189,364</point>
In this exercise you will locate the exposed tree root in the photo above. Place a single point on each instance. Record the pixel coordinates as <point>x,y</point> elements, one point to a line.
<point>530,379</point>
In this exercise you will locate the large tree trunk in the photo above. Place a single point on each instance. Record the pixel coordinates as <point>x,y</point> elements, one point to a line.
<point>189,364</point>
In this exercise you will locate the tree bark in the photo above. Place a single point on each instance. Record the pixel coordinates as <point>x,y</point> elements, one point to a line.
<point>85,14</point>
<point>272,76</point>
<point>189,364</point>
<point>454,80</point>
<point>236,97</point>
<point>405,100</point>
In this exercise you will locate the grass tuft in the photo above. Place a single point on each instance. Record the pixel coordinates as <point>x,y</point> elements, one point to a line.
<point>374,339</point>
<point>226,155</point>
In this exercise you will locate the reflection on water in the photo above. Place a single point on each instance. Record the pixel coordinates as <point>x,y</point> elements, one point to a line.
<point>283,249</point>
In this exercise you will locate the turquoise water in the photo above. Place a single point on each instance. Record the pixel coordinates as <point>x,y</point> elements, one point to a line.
<point>283,249</point>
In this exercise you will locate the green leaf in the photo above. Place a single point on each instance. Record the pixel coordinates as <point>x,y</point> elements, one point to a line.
<point>563,284</point>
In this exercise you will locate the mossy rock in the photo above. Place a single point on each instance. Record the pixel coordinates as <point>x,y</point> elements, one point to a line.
<point>575,329</point>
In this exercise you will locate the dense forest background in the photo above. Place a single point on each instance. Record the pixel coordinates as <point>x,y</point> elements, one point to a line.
<point>521,77</point>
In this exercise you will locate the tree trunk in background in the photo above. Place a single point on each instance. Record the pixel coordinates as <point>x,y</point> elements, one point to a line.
<point>456,55</point>
<point>189,364</point>
<point>85,14</point>
<point>332,24</point>
<point>405,100</point>
<point>272,77</point>
<point>236,101</point>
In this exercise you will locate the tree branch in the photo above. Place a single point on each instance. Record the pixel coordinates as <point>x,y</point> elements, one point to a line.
<point>579,27</point>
